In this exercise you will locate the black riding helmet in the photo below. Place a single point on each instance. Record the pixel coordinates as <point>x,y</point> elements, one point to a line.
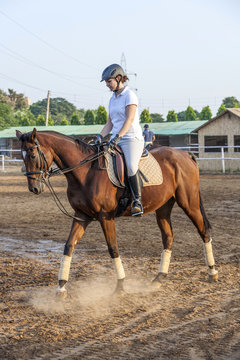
<point>112,71</point>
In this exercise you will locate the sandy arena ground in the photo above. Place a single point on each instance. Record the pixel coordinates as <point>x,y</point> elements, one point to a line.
<point>187,318</point>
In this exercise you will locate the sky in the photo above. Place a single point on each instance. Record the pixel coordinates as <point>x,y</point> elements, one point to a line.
<point>177,52</point>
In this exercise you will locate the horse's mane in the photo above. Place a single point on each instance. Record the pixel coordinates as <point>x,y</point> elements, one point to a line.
<point>84,147</point>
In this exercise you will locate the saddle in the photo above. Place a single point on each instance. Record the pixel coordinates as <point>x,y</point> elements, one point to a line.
<point>149,169</point>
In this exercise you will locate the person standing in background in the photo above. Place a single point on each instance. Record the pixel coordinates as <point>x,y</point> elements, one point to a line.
<point>148,135</point>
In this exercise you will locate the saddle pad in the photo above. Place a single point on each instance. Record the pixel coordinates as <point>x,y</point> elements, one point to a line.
<point>148,166</point>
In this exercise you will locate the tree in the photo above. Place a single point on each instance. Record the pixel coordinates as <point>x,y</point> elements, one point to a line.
<point>197,114</point>
<point>64,121</point>
<point>221,109</point>
<point>24,117</point>
<point>25,121</point>
<point>50,121</point>
<point>75,120</point>
<point>89,117</point>
<point>181,116</point>
<point>58,108</point>
<point>18,100</point>
<point>172,116</point>
<point>231,102</point>
<point>190,114</point>
<point>101,117</point>
<point>4,98</point>
<point>206,113</point>
<point>81,113</point>
<point>145,117</point>
<point>6,115</point>
<point>157,118</point>
<point>40,120</point>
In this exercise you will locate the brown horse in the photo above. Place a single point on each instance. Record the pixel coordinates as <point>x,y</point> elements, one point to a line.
<point>94,197</point>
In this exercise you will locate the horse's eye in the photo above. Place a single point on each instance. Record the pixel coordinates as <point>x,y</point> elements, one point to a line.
<point>33,156</point>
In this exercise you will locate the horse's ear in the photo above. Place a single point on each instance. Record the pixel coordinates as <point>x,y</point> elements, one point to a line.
<point>18,134</point>
<point>34,134</point>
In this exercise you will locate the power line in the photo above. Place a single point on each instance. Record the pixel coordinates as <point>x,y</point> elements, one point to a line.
<point>22,58</point>
<point>45,42</point>
<point>56,93</point>
<point>21,82</point>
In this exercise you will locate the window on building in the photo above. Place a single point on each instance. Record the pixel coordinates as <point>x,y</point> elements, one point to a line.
<point>237,143</point>
<point>218,141</point>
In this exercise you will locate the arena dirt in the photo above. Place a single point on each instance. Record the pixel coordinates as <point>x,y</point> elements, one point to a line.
<point>186,318</point>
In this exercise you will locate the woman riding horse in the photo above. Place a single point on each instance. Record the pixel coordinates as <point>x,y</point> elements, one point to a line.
<point>123,121</point>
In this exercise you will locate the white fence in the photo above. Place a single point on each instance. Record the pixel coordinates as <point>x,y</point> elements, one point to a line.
<point>193,148</point>
<point>6,159</point>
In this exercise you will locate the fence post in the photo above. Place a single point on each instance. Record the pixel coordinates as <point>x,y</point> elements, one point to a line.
<point>223,162</point>
<point>3,168</point>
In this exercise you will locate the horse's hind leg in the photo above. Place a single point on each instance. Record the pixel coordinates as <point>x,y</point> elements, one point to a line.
<point>77,231</point>
<point>192,205</point>
<point>163,216</point>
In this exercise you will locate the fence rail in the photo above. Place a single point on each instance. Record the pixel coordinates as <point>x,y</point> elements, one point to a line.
<point>193,148</point>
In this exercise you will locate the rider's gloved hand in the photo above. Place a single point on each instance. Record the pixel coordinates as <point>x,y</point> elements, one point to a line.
<point>114,141</point>
<point>98,139</point>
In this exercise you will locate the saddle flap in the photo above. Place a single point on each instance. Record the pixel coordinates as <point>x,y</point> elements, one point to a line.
<point>118,164</point>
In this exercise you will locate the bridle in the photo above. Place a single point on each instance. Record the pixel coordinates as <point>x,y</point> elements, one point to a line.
<point>47,173</point>
<point>43,164</point>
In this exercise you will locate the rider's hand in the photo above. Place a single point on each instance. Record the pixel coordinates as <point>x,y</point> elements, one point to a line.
<point>114,141</point>
<point>98,139</point>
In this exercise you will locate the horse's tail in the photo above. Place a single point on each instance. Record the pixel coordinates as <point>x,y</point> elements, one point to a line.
<point>206,222</point>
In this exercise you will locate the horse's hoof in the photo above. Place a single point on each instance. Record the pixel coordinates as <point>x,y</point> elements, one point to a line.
<point>157,282</point>
<point>61,294</point>
<point>213,277</point>
<point>119,292</point>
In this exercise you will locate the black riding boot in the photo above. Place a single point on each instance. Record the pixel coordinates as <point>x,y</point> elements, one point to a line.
<point>135,185</point>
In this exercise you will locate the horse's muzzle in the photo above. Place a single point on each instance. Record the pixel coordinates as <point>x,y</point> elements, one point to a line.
<point>37,189</point>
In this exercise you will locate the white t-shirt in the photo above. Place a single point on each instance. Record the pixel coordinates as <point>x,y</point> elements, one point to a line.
<point>117,112</point>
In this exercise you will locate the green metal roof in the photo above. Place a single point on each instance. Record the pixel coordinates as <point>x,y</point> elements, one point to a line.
<point>176,128</point>
<point>165,128</point>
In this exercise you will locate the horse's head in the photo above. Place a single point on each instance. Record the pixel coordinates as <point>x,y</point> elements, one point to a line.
<point>36,160</point>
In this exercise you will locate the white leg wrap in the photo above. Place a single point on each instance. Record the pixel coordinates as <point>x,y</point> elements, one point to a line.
<point>208,253</point>
<point>64,268</point>
<point>165,261</point>
<point>119,268</point>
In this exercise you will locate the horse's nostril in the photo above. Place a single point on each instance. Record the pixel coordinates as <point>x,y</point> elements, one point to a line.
<point>34,190</point>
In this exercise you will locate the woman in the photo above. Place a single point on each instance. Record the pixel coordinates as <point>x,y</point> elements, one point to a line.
<point>123,121</point>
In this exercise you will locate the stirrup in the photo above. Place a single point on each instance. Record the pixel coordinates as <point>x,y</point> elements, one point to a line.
<point>136,208</point>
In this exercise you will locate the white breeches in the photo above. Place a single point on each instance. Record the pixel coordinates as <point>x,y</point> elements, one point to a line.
<point>132,149</point>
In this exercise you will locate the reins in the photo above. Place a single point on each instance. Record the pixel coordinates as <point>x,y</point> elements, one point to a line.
<point>47,174</point>
<point>57,172</point>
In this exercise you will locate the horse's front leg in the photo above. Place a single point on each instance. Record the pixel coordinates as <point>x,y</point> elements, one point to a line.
<point>163,216</point>
<point>108,226</point>
<point>77,231</point>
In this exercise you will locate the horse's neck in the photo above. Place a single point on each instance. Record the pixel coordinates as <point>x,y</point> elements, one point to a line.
<point>65,152</point>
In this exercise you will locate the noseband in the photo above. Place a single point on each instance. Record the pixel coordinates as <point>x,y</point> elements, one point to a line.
<point>43,164</point>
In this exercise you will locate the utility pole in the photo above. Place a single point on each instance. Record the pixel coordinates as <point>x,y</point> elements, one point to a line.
<point>124,66</point>
<point>48,104</point>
